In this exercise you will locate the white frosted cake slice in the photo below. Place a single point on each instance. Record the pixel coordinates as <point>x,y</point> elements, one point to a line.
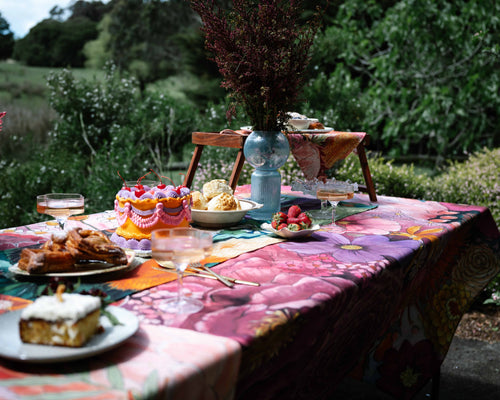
<point>67,319</point>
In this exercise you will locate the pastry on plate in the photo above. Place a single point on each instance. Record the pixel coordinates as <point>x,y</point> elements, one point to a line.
<point>66,250</point>
<point>87,244</point>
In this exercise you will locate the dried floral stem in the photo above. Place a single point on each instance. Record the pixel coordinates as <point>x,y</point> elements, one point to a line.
<point>262,52</point>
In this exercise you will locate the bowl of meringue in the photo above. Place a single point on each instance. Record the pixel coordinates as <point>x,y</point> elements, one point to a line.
<point>217,207</point>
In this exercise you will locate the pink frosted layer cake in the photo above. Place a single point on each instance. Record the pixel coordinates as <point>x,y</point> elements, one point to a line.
<point>142,209</point>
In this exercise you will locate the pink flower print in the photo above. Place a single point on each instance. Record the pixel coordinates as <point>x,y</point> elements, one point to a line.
<point>371,225</point>
<point>307,155</point>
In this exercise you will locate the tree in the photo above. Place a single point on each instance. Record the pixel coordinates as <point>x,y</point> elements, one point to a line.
<point>427,71</point>
<point>93,10</point>
<point>6,39</point>
<point>56,44</point>
<point>143,36</point>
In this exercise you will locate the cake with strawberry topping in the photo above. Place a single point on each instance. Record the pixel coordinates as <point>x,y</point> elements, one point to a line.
<point>142,208</point>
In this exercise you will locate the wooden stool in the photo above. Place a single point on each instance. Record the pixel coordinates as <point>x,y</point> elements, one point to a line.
<point>236,141</point>
<point>202,139</point>
<point>369,187</point>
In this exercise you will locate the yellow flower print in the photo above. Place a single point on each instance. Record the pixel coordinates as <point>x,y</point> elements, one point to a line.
<point>444,312</point>
<point>413,233</point>
<point>409,377</point>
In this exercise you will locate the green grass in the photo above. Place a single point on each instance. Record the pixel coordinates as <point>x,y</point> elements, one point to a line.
<point>24,96</point>
<point>21,85</point>
<point>12,72</point>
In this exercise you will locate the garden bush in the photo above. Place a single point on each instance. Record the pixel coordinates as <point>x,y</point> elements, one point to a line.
<point>101,127</point>
<point>423,72</point>
<point>475,181</point>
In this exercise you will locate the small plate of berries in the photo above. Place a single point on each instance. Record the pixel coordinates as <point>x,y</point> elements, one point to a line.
<point>293,224</point>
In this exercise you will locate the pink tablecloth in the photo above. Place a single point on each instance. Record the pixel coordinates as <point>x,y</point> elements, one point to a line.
<point>157,361</point>
<point>377,297</point>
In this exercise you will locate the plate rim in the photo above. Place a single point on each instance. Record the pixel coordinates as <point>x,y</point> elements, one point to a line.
<point>303,232</point>
<point>97,345</point>
<point>326,129</point>
<point>112,268</point>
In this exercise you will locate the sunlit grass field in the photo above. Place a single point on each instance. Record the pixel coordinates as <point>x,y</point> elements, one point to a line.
<point>14,74</point>
<point>24,96</point>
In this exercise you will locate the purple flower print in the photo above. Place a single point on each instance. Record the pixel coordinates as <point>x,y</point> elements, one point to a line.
<point>371,248</point>
<point>361,249</point>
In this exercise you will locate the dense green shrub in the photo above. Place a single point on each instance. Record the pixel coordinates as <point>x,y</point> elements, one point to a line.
<point>426,70</point>
<point>389,179</point>
<point>475,181</point>
<point>102,127</point>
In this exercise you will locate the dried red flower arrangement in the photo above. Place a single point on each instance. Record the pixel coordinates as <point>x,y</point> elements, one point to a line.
<point>262,51</point>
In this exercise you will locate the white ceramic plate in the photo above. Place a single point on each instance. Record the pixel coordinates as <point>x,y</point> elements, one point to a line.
<point>288,234</point>
<point>88,269</point>
<point>13,348</point>
<point>142,253</point>
<point>325,130</point>
<point>221,219</point>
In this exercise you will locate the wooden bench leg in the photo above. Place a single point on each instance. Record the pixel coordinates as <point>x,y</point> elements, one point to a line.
<point>188,180</point>
<point>370,188</point>
<point>238,166</point>
<point>436,380</point>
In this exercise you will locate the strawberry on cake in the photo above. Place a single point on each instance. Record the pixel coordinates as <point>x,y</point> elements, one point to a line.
<point>142,209</point>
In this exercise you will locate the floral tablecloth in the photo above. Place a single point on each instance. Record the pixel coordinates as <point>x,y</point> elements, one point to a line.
<point>378,297</point>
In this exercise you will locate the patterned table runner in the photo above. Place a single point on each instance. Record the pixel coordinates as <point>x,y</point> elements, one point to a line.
<point>229,243</point>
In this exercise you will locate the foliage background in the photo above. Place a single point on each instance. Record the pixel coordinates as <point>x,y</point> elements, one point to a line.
<point>420,76</point>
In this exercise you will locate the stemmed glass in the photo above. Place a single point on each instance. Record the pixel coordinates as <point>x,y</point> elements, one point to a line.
<point>180,246</point>
<point>330,193</point>
<point>41,204</point>
<point>61,206</point>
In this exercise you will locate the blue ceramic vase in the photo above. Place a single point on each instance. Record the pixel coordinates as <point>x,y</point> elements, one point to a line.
<point>266,152</point>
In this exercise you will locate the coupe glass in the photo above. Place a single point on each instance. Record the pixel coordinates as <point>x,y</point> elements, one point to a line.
<point>41,204</point>
<point>330,193</point>
<point>62,205</point>
<point>181,247</point>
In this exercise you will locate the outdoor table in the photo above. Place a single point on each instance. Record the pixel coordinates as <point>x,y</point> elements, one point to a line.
<point>377,298</point>
<point>314,152</point>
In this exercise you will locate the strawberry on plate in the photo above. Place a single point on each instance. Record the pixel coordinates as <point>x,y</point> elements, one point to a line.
<point>304,219</point>
<point>280,217</point>
<point>294,211</point>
